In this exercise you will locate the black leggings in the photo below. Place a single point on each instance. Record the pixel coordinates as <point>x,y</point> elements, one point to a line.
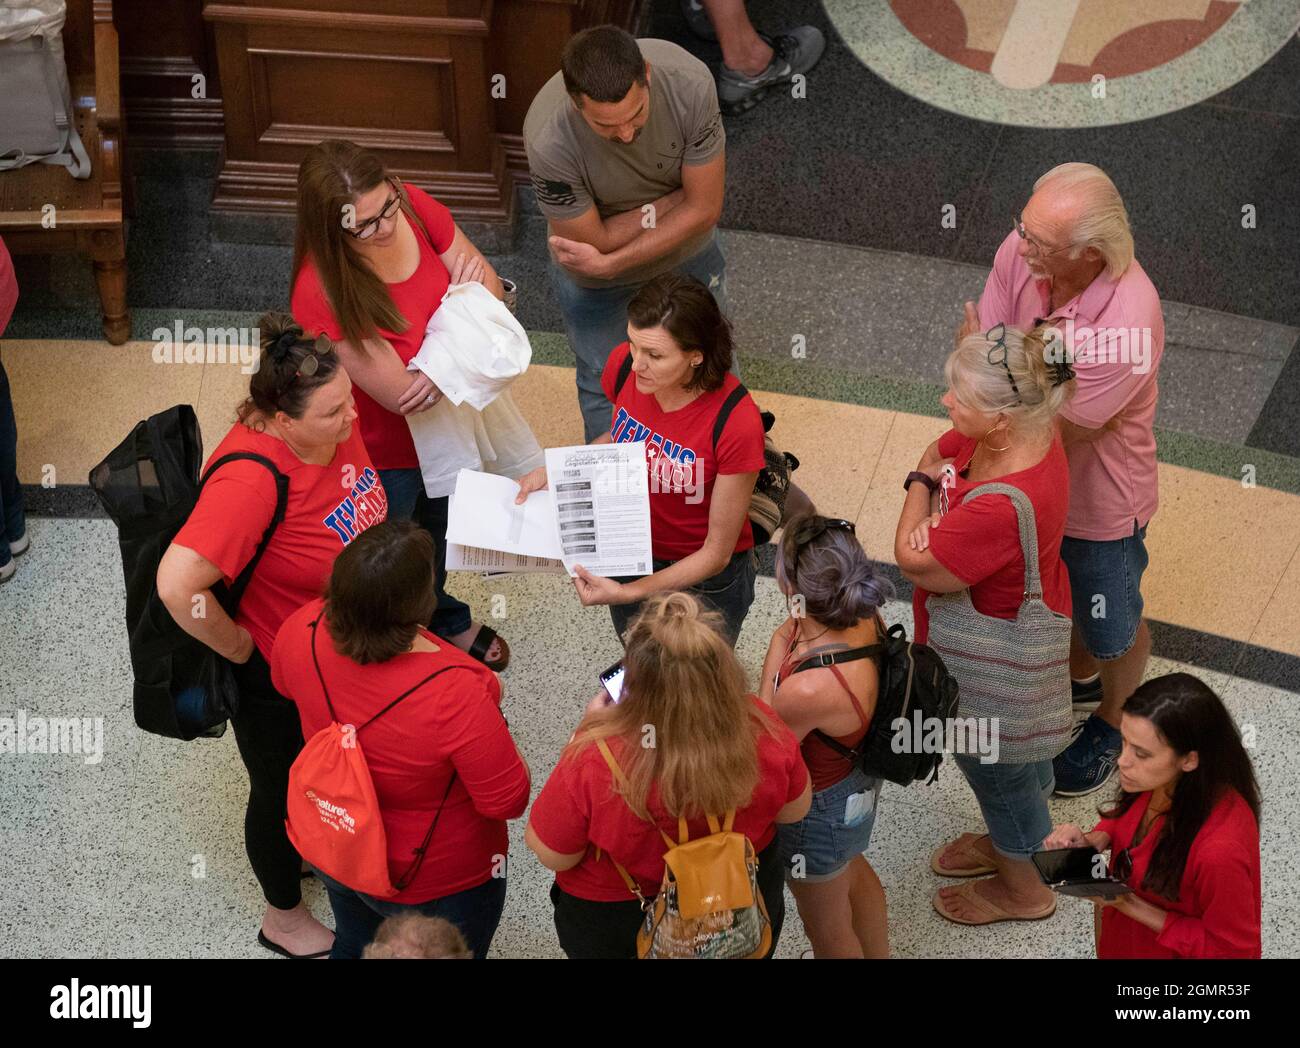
<point>607,930</point>
<point>269,736</point>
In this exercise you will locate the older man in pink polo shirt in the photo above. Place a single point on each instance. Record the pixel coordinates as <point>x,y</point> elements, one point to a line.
<point>1069,262</point>
<point>13,525</point>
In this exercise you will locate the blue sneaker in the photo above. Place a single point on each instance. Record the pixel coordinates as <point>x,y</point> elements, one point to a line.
<point>1089,761</point>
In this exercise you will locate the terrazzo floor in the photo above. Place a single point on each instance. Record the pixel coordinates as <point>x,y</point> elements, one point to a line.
<point>141,854</point>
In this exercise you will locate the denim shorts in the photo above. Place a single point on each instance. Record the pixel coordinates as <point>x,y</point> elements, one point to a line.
<point>1111,570</point>
<point>838,827</point>
<point>1013,801</point>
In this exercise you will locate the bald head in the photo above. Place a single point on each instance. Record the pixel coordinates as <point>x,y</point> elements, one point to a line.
<point>1077,204</point>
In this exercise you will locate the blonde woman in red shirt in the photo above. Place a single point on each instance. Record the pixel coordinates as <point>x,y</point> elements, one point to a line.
<point>1184,832</point>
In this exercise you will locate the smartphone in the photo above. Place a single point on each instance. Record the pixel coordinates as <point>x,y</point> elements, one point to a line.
<point>612,679</point>
<point>1079,872</point>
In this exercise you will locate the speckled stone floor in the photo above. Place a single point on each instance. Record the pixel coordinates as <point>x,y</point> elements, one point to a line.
<point>141,854</point>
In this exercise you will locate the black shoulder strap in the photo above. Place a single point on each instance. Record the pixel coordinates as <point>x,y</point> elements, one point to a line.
<point>720,423</point>
<point>833,658</point>
<point>240,584</point>
<point>624,369</point>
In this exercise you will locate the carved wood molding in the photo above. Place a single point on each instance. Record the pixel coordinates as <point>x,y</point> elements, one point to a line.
<point>352,20</point>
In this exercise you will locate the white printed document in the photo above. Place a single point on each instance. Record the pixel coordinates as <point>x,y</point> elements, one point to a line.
<point>594,512</point>
<point>602,507</point>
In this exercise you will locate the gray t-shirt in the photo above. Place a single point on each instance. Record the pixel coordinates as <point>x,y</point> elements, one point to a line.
<point>573,168</point>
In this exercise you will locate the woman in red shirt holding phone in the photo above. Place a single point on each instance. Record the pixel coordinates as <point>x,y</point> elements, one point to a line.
<point>1184,833</point>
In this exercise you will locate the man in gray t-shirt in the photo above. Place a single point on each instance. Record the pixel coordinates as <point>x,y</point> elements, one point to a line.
<point>625,147</point>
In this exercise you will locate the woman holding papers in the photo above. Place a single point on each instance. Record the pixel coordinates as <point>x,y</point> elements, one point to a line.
<point>672,389</point>
<point>373,258</point>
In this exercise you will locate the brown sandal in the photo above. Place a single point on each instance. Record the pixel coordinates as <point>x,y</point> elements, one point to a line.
<point>990,912</point>
<point>978,865</point>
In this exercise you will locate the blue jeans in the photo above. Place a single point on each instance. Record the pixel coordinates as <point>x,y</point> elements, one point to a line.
<point>407,500</point>
<point>357,917</point>
<point>12,519</point>
<point>836,829</point>
<point>1111,570</point>
<point>1013,801</point>
<point>730,592</point>
<point>595,319</point>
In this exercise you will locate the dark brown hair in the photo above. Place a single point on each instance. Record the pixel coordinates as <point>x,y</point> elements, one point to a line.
<point>687,310</point>
<point>273,386</point>
<point>1189,716</point>
<point>603,63</point>
<point>330,178</point>
<point>381,592</point>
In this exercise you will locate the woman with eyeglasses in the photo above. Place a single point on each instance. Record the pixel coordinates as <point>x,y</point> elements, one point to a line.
<point>670,386</point>
<point>835,595</point>
<point>1183,833</point>
<point>373,257</point>
<point>300,416</point>
<point>973,571</point>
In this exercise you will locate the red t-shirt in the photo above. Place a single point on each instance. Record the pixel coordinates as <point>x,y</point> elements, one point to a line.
<point>328,507</point>
<point>385,432</point>
<point>680,456</point>
<point>980,543</point>
<point>579,809</point>
<point>452,723</point>
<point>1218,909</point>
<point>8,287</point>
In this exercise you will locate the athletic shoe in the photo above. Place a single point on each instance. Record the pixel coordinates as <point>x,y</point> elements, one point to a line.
<point>20,546</point>
<point>7,570</point>
<point>1089,761</point>
<point>698,19</point>
<point>1086,693</point>
<point>792,53</point>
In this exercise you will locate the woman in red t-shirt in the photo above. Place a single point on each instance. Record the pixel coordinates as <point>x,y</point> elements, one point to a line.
<point>829,709</point>
<point>668,383</point>
<point>1184,832</point>
<point>372,259</point>
<point>299,414</point>
<point>1002,398</point>
<point>442,757</point>
<point>690,741</point>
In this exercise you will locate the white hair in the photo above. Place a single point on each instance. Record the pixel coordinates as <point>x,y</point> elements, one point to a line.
<point>1102,222</point>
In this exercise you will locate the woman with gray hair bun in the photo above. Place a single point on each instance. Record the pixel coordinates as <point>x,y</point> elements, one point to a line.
<point>835,594</point>
<point>980,539</point>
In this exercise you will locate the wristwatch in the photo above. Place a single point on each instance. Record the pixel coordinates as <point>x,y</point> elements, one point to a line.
<point>924,478</point>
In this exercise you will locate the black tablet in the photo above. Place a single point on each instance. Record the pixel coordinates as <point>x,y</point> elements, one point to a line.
<point>1079,872</point>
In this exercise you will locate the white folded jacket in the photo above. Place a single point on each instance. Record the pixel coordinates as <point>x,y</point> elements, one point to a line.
<point>451,437</point>
<point>473,346</point>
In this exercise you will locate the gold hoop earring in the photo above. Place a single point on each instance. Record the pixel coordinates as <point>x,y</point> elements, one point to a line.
<point>984,439</point>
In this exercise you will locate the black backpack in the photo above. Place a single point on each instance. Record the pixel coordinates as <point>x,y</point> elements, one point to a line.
<point>767,504</point>
<point>149,485</point>
<point>913,679</point>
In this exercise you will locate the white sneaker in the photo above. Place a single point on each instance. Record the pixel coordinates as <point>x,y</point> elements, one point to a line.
<point>7,570</point>
<point>20,546</point>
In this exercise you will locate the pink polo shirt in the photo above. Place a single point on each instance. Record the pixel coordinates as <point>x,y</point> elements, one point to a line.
<point>8,287</point>
<point>1116,332</point>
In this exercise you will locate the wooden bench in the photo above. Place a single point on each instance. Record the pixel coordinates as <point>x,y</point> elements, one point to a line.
<point>87,214</point>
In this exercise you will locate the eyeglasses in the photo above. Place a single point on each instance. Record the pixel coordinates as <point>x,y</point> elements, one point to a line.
<point>1039,250</point>
<point>368,228</point>
<point>998,355</point>
<point>310,363</point>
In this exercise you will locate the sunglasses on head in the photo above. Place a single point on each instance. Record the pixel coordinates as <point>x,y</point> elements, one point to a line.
<point>812,529</point>
<point>998,355</point>
<point>310,364</point>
